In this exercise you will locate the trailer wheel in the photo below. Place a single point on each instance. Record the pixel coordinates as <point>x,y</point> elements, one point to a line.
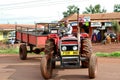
<point>86,51</point>
<point>92,66</point>
<point>46,63</point>
<point>23,52</point>
<point>46,67</point>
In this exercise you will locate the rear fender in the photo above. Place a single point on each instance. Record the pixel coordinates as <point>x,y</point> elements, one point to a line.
<point>54,36</point>
<point>56,39</point>
<point>84,35</point>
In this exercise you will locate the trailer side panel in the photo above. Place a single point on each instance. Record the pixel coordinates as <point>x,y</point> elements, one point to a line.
<point>41,41</point>
<point>32,39</point>
<point>18,35</point>
<point>24,37</point>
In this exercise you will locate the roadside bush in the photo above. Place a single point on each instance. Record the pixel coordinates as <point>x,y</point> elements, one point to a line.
<point>9,51</point>
<point>113,54</point>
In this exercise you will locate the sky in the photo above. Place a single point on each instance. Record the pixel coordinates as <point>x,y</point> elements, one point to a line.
<point>34,11</point>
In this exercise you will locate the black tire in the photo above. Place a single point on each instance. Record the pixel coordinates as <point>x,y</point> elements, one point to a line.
<point>46,63</point>
<point>23,52</point>
<point>46,67</point>
<point>92,70</point>
<point>86,51</point>
<point>50,50</point>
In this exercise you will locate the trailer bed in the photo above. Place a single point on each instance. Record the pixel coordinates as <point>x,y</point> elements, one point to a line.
<point>32,37</point>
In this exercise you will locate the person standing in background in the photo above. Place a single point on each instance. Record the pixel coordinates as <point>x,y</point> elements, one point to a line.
<point>108,39</point>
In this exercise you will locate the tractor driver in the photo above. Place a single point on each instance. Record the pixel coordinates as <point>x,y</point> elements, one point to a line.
<point>69,29</point>
<point>66,29</point>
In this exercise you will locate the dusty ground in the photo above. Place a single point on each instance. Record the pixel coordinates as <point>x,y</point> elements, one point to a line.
<point>12,68</point>
<point>106,48</point>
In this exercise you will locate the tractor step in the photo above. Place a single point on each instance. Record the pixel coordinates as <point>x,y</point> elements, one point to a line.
<point>83,59</point>
<point>70,66</point>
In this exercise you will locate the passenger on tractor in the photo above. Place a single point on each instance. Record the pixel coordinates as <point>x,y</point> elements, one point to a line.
<point>84,30</point>
<point>83,33</point>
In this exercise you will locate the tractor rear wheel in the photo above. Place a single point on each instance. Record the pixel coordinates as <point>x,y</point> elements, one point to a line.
<point>23,52</point>
<point>92,66</point>
<point>46,63</point>
<point>86,51</point>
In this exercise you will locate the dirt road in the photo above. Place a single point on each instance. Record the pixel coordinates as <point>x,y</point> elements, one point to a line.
<point>109,48</point>
<point>12,68</point>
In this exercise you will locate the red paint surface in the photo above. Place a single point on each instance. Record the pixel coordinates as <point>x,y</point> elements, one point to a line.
<point>41,40</point>
<point>32,39</point>
<point>18,35</point>
<point>70,42</point>
<point>24,37</point>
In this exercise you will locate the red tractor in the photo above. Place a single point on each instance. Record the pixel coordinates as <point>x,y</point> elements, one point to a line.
<point>70,51</point>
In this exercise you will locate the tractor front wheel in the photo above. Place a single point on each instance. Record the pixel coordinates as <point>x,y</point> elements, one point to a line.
<point>47,64</point>
<point>92,66</point>
<point>46,67</point>
<point>86,51</point>
<point>23,52</point>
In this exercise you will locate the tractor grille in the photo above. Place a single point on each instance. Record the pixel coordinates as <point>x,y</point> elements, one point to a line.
<point>69,47</point>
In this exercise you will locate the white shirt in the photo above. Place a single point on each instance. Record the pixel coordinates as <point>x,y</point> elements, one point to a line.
<point>69,29</point>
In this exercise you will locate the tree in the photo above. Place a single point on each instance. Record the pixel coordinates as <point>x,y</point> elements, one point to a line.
<point>117,8</point>
<point>116,28</point>
<point>71,10</point>
<point>94,9</point>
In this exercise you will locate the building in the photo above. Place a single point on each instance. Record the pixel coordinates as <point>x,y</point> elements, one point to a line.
<point>7,31</point>
<point>101,22</point>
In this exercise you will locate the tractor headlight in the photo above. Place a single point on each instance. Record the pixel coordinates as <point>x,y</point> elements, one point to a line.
<point>64,48</point>
<point>75,48</point>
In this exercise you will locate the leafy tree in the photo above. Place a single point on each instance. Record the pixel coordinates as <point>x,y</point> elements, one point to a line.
<point>117,8</point>
<point>116,28</point>
<point>71,10</point>
<point>94,9</point>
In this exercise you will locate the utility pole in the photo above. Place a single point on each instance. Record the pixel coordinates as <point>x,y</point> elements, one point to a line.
<point>78,33</point>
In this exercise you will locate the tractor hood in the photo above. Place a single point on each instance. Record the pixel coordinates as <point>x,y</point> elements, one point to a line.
<point>69,40</point>
<point>69,37</point>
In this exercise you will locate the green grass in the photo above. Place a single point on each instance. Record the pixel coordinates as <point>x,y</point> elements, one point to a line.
<point>9,51</point>
<point>113,54</point>
<point>99,54</point>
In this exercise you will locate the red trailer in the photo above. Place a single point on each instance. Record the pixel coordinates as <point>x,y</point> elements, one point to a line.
<point>33,37</point>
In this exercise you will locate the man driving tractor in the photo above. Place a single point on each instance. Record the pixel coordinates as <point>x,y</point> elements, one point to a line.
<point>66,28</point>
